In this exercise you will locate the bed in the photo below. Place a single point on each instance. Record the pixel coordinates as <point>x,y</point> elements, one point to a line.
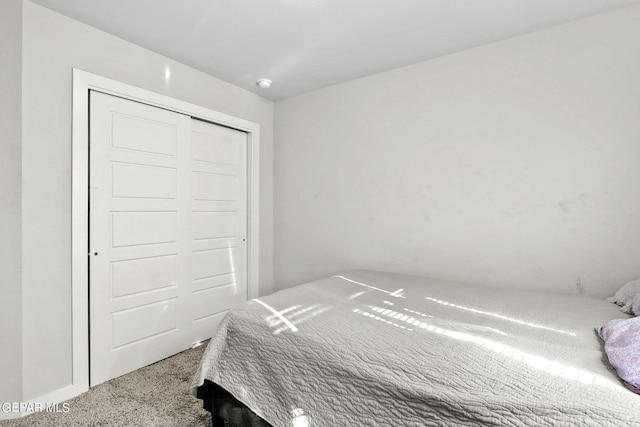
<point>368,348</point>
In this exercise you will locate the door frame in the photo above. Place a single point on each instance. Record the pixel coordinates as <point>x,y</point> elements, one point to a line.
<point>83,82</point>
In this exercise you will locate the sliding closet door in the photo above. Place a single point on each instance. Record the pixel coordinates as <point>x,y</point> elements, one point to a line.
<point>167,219</point>
<point>218,273</point>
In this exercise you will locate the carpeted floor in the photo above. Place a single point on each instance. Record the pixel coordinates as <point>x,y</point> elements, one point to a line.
<point>156,395</point>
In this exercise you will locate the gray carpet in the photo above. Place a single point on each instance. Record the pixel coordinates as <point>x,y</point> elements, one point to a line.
<point>156,395</point>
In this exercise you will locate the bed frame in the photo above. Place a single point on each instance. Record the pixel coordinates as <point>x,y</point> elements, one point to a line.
<point>226,410</point>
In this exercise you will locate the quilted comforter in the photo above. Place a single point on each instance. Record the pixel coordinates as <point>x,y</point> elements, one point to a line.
<point>375,349</point>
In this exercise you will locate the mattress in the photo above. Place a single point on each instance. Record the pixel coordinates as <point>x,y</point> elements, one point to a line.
<point>368,348</point>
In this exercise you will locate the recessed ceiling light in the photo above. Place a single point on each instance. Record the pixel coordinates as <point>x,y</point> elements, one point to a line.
<point>264,83</point>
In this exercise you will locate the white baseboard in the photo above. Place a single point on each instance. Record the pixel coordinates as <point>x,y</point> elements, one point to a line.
<point>52,402</point>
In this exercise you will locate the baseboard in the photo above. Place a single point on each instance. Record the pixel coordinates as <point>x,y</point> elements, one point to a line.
<point>51,402</point>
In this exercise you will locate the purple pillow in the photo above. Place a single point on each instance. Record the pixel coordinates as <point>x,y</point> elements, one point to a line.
<point>622,344</point>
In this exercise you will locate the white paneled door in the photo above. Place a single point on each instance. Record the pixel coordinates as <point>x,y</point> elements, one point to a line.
<point>167,232</point>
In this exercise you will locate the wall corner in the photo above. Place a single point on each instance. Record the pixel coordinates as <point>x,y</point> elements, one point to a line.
<point>11,204</point>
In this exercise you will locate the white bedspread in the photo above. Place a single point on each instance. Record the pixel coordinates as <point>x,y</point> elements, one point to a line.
<point>376,349</point>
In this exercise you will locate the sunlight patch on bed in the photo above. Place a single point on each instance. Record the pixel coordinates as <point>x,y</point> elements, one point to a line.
<point>417,313</point>
<point>498,316</point>
<point>552,367</point>
<point>299,418</point>
<point>392,321</point>
<point>279,315</point>
<point>398,293</point>
<point>356,295</point>
<point>303,315</point>
<point>295,315</point>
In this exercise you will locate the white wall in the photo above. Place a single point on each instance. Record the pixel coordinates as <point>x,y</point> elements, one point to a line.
<point>517,164</point>
<point>52,46</point>
<point>10,206</point>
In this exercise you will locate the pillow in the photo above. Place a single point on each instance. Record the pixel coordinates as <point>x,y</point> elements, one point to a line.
<point>622,344</point>
<point>628,298</point>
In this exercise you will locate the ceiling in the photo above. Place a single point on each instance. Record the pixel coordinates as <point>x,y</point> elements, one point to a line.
<point>303,45</point>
